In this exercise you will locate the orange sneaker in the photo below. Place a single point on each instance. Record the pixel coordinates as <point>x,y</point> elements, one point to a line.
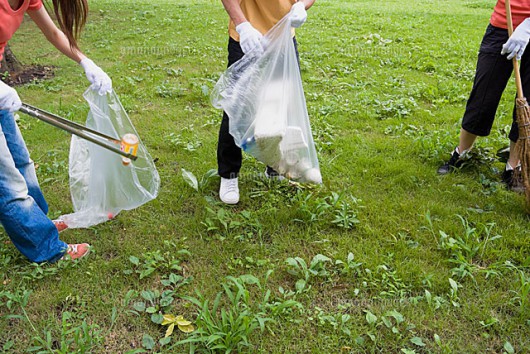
<point>76,251</point>
<point>60,225</point>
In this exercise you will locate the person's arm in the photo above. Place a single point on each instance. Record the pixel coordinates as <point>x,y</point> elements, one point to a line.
<point>98,78</point>
<point>233,9</point>
<point>249,37</point>
<point>9,99</point>
<point>54,35</point>
<point>299,13</point>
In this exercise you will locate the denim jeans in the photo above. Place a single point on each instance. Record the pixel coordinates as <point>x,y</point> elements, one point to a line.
<point>23,208</point>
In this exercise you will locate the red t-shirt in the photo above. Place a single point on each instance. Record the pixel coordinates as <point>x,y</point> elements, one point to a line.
<point>10,19</point>
<point>520,11</point>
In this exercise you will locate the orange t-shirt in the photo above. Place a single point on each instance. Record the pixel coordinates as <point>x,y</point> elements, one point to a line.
<point>520,12</point>
<point>10,19</point>
<point>262,14</point>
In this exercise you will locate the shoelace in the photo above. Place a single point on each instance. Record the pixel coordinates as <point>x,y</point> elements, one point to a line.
<point>231,186</point>
<point>72,248</point>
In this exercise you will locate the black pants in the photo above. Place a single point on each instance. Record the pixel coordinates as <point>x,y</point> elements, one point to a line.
<point>229,156</point>
<point>492,75</point>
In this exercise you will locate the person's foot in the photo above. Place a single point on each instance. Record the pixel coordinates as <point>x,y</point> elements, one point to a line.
<point>60,225</point>
<point>512,179</point>
<point>503,154</point>
<point>76,251</point>
<point>229,190</point>
<point>273,174</point>
<point>454,162</point>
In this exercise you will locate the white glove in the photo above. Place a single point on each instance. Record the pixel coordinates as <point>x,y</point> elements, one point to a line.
<point>249,37</point>
<point>298,14</point>
<point>9,100</point>
<point>100,81</point>
<point>518,41</point>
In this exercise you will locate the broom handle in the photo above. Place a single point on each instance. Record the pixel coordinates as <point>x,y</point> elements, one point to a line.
<point>518,81</point>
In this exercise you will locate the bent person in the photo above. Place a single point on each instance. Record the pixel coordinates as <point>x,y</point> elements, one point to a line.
<point>23,207</point>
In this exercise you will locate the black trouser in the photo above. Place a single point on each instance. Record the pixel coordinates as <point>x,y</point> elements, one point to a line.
<point>229,155</point>
<point>492,75</point>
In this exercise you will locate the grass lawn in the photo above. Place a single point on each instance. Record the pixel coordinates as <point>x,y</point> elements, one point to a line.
<point>385,256</point>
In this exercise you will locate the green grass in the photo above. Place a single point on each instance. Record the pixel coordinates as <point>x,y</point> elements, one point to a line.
<point>386,86</point>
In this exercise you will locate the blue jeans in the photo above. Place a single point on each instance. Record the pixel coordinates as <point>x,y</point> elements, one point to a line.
<point>23,208</point>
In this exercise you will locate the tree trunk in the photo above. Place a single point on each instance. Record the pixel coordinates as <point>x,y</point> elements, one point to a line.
<point>10,64</point>
<point>13,72</point>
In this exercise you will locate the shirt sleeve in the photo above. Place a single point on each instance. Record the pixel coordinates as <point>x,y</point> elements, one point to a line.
<point>34,5</point>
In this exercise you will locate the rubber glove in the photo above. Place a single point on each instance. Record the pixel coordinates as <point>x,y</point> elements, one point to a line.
<point>298,14</point>
<point>100,81</point>
<point>9,100</point>
<point>249,37</point>
<point>518,41</point>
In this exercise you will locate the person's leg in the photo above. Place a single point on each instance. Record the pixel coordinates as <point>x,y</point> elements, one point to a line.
<point>513,159</point>
<point>296,49</point>
<point>491,77</point>
<point>22,160</point>
<point>28,227</point>
<point>229,156</point>
<point>524,67</point>
<point>510,178</point>
<point>466,140</point>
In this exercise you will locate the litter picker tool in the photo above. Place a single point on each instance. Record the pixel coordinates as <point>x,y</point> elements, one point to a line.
<point>124,147</point>
<point>522,113</point>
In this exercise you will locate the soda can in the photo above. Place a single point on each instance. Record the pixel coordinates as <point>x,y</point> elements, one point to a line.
<point>129,144</point>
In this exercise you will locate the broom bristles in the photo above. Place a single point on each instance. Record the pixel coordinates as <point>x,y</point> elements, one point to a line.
<point>523,145</point>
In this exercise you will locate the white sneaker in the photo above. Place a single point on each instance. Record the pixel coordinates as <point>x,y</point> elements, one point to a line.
<point>229,191</point>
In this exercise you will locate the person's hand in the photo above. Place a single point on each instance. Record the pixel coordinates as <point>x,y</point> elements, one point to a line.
<point>100,81</point>
<point>249,37</point>
<point>518,41</point>
<point>298,14</point>
<point>9,100</point>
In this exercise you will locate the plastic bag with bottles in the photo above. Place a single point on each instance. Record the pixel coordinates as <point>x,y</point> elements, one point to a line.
<point>101,184</point>
<point>263,97</point>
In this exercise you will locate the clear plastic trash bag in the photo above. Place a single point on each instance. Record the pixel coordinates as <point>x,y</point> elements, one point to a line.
<point>263,96</point>
<point>100,185</point>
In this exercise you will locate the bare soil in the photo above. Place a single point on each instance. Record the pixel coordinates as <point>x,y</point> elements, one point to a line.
<point>29,74</point>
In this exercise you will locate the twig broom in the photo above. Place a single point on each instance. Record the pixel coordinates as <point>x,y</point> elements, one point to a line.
<point>522,112</point>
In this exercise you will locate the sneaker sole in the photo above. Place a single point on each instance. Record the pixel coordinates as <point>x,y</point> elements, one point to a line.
<point>230,202</point>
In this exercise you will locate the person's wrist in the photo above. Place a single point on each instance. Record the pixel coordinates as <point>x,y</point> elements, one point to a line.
<point>526,25</point>
<point>300,3</point>
<point>85,63</point>
<point>243,26</point>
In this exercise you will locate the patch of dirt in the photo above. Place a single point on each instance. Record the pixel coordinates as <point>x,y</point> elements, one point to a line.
<point>30,74</point>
